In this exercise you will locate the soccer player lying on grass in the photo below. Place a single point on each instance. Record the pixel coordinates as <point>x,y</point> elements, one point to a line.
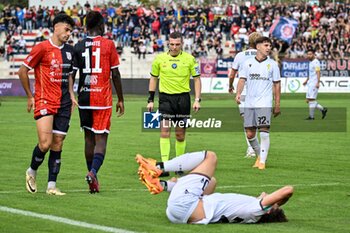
<point>192,199</point>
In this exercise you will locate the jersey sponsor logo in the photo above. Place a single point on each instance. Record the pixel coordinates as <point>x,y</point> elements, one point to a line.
<point>87,89</point>
<point>90,80</point>
<point>174,65</point>
<point>55,80</point>
<point>254,76</point>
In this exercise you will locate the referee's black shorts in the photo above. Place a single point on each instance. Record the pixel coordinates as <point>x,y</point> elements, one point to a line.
<point>175,107</point>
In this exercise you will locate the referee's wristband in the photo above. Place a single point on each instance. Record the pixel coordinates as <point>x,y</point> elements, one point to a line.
<point>151,96</point>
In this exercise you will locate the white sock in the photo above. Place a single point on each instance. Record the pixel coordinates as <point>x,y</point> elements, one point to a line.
<point>31,172</point>
<point>247,140</point>
<point>51,185</point>
<point>255,145</point>
<point>312,105</point>
<point>185,162</point>
<point>265,145</point>
<point>319,106</point>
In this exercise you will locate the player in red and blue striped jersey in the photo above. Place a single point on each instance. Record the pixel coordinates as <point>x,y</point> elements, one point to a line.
<point>96,57</point>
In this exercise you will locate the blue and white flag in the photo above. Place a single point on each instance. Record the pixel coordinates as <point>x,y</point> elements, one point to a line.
<point>284,29</point>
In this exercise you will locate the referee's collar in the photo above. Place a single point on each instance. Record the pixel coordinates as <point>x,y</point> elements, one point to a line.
<point>176,55</point>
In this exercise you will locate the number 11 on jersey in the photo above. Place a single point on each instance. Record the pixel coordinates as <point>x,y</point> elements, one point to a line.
<point>96,68</point>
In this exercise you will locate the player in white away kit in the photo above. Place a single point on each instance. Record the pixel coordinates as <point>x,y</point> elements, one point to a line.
<point>262,76</point>
<point>192,199</point>
<point>313,83</point>
<point>240,58</point>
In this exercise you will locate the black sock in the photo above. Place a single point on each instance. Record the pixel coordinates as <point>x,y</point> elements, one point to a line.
<point>164,183</point>
<point>89,165</point>
<point>160,165</point>
<point>54,164</point>
<point>97,162</point>
<point>37,158</point>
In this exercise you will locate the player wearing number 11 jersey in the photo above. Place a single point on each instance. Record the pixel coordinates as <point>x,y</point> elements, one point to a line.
<point>96,57</point>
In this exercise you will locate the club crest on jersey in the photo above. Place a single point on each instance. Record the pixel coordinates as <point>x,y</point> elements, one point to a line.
<point>268,67</point>
<point>174,66</point>
<point>69,55</point>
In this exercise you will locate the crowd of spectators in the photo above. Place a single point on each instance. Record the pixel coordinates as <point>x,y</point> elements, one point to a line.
<point>206,30</point>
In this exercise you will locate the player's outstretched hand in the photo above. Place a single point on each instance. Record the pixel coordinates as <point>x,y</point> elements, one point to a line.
<point>30,103</point>
<point>196,106</point>
<point>120,108</point>
<point>276,111</point>
<point>150,106</point>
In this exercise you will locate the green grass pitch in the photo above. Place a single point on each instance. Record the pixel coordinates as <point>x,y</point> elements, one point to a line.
<point>316,163</point>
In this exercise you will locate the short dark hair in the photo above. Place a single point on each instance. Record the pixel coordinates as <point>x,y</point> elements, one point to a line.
<point>274,215</point>
<point>175,35</point>
<point>263,39</point>
<point>63,18</point>
<point>94,20</point>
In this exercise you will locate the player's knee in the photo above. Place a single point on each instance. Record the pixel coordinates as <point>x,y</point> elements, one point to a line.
<point>180,136</point>
<point>56,145</point>
<point>213,181</point>
<point>251,134</point>
<point>44,145</point>
<point>165,134</point>
<point>211,156</point>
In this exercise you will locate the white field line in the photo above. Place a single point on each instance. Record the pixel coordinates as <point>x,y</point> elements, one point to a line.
<point>63,220</point>
<point>218,187</point>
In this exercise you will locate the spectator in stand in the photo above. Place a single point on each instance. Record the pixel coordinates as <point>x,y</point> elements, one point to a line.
<point>21,45</point>
<point>20,16</point>
<point>160,44</point>
<point>156,27</point>
<point>142,49</point>
<point>219,51</point>
<point>39,36</point>
<point>28,18</point>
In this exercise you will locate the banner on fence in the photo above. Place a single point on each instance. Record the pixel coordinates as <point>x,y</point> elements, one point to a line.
<point>222,67</point>
<point>208,68</point>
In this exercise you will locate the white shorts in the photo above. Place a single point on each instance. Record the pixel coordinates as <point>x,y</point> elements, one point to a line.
<point>257,117</point>
<point>185,196</point>
<point>231,208</point>
<point>311,92</point>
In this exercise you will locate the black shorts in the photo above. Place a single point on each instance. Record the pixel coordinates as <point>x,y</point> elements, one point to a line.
<point>175,106</point>
<point>61,120</point>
